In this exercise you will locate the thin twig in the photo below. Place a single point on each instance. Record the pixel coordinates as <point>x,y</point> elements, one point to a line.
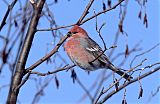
<point>53,72</point>
<point>48,55</point>
<point>149,66</point>
<point>85,11</point>
<point>128,83</point>
<point>82,22</point>
<point>104,11</point>
<point>117,81</point>
<point>144,53</point>
<point>99,31</point>
<point>25,49</point>
<point>7,13</point>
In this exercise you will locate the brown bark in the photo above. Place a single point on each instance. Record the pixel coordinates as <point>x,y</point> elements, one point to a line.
<point>20,66</point>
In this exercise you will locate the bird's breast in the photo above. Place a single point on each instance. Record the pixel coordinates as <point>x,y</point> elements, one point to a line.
<point>72,44</point>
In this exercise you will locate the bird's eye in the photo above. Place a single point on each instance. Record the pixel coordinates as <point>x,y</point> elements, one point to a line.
<point>74,32</point>
<point>71,33</point>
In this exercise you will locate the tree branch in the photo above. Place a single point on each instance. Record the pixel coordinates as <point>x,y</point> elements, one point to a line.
<point>85,12</point>
<point>52,72</point>
<point>48,55</point>
<point>80,21</point>
<point>13,94</point>
<point>128,83</point>
<point>104,11</point>
<point>7,13</point>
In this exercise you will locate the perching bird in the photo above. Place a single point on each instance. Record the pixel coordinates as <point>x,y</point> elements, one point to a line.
<point>83,52</point>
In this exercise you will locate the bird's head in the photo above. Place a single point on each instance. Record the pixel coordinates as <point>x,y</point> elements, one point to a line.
<point>77,31</point>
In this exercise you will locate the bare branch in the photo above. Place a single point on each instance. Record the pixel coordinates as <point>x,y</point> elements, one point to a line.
<point>48,55</point>
<point>12,96</point>
<point>117,81</point>
<point>52,72</point>
<point>143,53</point>
<point>128,83</point>
<point>85,11</point>
<point>80,22</point>
<point>7,13</point>
<point>104,11</point>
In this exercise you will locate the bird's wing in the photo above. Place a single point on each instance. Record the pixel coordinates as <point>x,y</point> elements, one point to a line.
<point>93,46</point>
<point>96,51</point>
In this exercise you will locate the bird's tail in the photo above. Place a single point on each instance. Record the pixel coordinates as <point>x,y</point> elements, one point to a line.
<point>121,73</point>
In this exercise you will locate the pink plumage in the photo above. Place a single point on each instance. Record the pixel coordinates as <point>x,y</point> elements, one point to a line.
<point>82,50</point>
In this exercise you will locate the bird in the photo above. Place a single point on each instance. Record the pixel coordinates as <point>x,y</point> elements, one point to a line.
<point>87,54</point>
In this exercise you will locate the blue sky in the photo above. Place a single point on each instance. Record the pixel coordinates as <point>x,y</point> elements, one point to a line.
<point>66,13</point>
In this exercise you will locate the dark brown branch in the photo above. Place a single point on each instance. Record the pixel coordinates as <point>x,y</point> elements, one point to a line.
<point>100,94</point>
<point>48,55</point>
<point>128,83</point>
<point>85,12</point>
<point>117,81</point>
<point>82,22</point>
<point>7,13</point>
<point>99,31</point>
<point>79,21</point>
<point>104,11</point>
<point>12,96</point>
<point>53,72</point>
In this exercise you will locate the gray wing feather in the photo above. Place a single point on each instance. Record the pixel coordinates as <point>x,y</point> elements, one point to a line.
<point>96,50</point>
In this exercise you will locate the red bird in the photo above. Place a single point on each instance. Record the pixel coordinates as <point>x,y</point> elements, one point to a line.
<point>82,50</point>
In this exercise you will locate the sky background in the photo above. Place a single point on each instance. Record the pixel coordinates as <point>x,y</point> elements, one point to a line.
<point>66,13</point>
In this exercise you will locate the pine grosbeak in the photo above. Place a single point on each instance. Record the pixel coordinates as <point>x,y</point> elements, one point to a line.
<point>82,50</point>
